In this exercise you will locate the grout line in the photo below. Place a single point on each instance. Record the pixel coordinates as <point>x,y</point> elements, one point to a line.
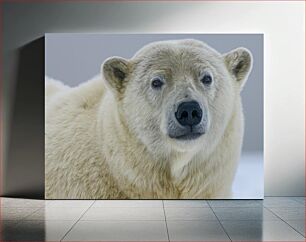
<point>284,221</point>
<point>166,221</point>
<point>219,222</point>
<point>77,221</point>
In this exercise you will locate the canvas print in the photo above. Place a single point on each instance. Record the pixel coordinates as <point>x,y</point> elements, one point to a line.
<point>154,116</point>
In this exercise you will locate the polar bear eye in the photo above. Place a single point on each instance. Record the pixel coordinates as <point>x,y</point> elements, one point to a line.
<point>157,83</point>
<point>206,79</point>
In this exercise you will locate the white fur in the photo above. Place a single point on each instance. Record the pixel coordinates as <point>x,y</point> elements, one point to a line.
<point>53,87</point>
<point>94,151</point>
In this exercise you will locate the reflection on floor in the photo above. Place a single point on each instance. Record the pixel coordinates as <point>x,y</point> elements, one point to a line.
<point>274,219</point>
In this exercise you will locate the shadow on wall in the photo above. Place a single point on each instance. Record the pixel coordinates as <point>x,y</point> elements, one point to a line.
<point>25,154</point>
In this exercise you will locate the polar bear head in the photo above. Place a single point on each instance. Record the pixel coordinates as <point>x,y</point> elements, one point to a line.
<point>177,95</point>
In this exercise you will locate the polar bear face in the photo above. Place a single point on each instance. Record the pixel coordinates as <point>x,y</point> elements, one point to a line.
<point>177,95</point>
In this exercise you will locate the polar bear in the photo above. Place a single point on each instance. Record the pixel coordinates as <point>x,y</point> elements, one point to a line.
<point>165,124</point>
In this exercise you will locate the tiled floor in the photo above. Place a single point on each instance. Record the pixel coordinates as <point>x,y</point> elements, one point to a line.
<point>274,219</point>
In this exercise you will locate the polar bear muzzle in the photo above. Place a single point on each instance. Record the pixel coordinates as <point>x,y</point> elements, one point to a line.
<point>189,121</point>
<point>189,113</point>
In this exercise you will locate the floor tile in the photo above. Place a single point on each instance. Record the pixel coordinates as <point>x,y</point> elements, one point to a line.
<point>298,225</point>
<point>118,231</point>
<point>281,202</point>
<point>69,203</point>
<point>139,220</point>
<point>7,227</point>
<point>50,213</point>
<point>290,213</point>
<point>196,231</point>
<point>235,203</point>
<point>244,214</point>
<point>300,200</point>
<point>124,214</point>
<point>261,230</point>
<point>128,203</point>
<point>40,230</point>
<point>16,213</point>
<point>189,214</point>
<point>21,203</point>
<point>7,223</point>
<point>185,203</point>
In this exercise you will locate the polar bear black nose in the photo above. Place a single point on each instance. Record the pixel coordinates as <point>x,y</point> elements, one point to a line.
<point>189,113</point>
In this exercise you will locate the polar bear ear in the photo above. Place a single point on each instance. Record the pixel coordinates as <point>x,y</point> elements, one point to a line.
<point>239,63</point>
<point>115,71</point>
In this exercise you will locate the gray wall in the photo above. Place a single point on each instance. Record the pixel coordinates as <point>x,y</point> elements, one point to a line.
<point>24,25</point>
<point>75,58</point>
